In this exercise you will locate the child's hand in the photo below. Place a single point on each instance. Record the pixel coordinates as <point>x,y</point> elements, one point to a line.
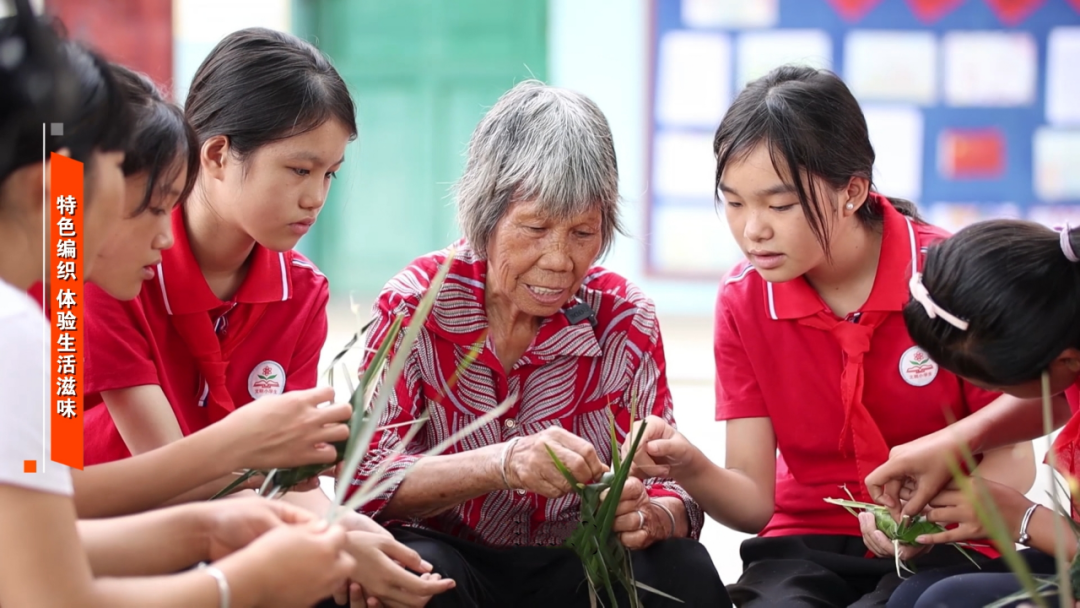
<point>234,524</point>
<point>663,451</point>
<point>953,507</point>
<point>880,545</point>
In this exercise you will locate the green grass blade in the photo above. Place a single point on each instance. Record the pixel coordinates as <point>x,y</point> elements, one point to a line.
<point>376,475</point>
<point>359,499</point>
<point>360,440</point>
<point>965,553</point>
<point>341,355</point>
<point>616,455</point>
<point>360,415</point>
<point>574,484</point>
<point>851,505</point>
<point>615,493</point>
<point>1042,585</point>
<point>236,483</point>
<point>987,513</point>
<point>351,344</point>
<point>371,372</point>
<point>266,482</point>
<point>604,572</point>
<point>1063,565</point>
<point>656,591</point>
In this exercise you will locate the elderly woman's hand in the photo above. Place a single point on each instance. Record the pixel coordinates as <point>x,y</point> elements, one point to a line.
<point>639,522</point>
<point>529,466</point>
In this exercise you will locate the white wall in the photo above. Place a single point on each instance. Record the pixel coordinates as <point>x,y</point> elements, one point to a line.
<point>600,48</point>
<point>198,25</point>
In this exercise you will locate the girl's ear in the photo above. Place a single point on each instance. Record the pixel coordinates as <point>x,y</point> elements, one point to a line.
<point>853,196</point>
<point>33,181</point>
<point>26,189</point>
<point>213,156</point>
<point>1070,359</point>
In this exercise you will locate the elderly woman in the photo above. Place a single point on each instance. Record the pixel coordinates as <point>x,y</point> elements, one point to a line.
<point>538,204</point>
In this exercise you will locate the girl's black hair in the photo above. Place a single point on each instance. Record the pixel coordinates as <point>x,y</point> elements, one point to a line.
<point>258,86</point>
<point>1020,295</point>
<point>37,85</point>
<point>102,120</point>
<point>54,81</point>
<point>162,142</point>
<point>812,125</point>
<point>44,79</point>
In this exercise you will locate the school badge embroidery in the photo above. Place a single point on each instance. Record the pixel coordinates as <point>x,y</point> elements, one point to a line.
<point>268,378</point>
<point>916,367</point>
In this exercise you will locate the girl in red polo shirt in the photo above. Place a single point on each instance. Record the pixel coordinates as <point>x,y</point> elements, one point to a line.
<point>816,376</point>
<point>160,166</point>
<point>231,313</point>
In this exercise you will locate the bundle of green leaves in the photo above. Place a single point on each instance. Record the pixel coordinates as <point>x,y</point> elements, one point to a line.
<point>605,559</point>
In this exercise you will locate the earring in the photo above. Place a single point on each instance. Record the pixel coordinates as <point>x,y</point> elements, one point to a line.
<point>850,206</point>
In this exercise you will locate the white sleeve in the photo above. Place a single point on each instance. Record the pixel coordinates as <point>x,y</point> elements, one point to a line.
<point>22,403</point>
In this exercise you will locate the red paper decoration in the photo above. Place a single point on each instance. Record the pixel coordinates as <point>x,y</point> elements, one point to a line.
<point>929,11</point>
<point>853,10</point>
<point>1012,12</point>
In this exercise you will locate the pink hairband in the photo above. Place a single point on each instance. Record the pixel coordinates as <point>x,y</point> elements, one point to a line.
<point>1066,244</point>
<point>922,296</point>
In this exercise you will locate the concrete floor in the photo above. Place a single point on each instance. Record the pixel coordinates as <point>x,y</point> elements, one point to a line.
<point>688,347</point>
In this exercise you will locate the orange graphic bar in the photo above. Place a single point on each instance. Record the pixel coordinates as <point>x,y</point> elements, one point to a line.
<point>66,280</point>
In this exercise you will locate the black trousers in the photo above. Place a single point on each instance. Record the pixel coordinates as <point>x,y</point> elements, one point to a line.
<point>970,587</point>
<point>824,571</point>
<point>543,577</point>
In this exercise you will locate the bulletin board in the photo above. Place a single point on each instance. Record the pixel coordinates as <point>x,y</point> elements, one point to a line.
<point>973,106</point>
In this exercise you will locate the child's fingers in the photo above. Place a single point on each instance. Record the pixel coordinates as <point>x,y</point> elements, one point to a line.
<point>947,515</point>
<point>867,523</point>
<point>886,493</point>
<point>873,538</point>
<point>948,498</point>
<point>662,448</point>
<point>920,497</point>
<point>881,545</point>
<point>955,535</point>
<point>650,471</point>
<point>341,595</point>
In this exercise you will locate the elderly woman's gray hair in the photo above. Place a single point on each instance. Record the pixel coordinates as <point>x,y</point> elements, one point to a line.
<point>545,145</point>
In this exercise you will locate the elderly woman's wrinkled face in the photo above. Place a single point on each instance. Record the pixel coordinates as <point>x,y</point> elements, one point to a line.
<point>536,262</point>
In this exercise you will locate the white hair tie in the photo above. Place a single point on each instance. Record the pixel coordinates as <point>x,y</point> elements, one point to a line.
<point>922,296</point>
<point>1066,244</point>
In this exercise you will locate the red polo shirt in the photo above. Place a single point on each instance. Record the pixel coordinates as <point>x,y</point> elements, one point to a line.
<point>774,360</point>
<point>135,343</point>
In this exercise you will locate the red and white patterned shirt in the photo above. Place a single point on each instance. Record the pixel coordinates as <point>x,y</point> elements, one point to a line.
<point>571,375</point>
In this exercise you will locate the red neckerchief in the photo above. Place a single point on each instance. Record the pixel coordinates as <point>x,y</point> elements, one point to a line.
<point>191,315</point>
<point>860,436</point>
<point>212,353</point>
